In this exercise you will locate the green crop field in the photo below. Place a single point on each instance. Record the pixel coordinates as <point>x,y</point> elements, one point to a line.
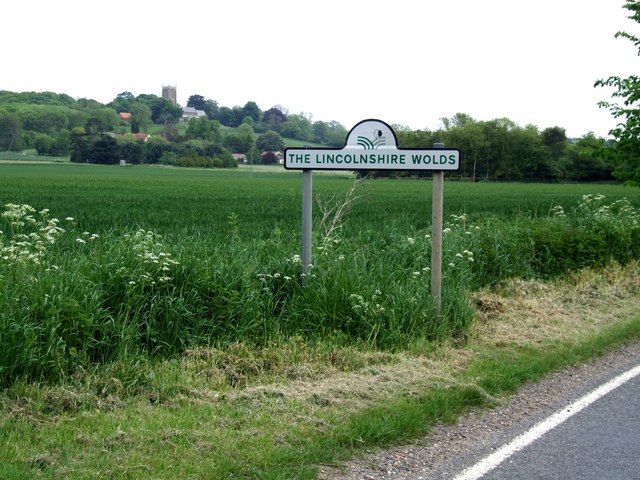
<point>156,321</point>
<point>179,200</point>
<point>102,261</point>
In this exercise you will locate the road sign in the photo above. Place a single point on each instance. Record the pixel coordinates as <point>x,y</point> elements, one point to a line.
<point>371,145</point>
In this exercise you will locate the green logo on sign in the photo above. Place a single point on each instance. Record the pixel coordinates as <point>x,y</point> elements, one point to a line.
<point>369,144</point>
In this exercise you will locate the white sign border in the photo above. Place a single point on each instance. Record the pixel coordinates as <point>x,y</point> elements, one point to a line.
<point>355,156</point>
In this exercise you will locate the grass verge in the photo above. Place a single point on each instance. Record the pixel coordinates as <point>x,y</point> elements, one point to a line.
<point>278,412</point>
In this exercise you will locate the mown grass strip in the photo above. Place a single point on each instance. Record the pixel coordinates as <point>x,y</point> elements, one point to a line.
<point>503,371</point>
<point>270,437</point>
<point>494,373</point>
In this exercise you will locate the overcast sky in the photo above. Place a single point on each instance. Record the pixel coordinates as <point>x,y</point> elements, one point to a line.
<point>408,62</point>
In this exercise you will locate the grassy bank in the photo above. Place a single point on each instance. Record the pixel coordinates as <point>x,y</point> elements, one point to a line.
<point>299,405</point>
<point>156,321</point>
<point>101,263</point>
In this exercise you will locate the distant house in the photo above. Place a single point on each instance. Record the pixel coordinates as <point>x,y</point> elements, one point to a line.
<point>189,112</point>
<point>240,157</point>
<point>124,116</point>
<point>142,136</point>
<point>270,157</point>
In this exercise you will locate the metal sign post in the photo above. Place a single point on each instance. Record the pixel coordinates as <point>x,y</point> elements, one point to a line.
<point>436,238</point>
<point>307,212</point>
<point>372,145</point>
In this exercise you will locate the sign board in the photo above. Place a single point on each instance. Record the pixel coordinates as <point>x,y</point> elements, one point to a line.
<point>371,145</point>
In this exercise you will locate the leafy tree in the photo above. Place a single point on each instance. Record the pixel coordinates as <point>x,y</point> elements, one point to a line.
<point>270,141</point>
<point>246,133</point>
<point>88,104</point>
<point>48,145</point>
<point>269,158</point>
<point>170,133</point>
<point>80,145</point>
<point>297,126</point>
<point>226,117</point>
<point>589,159</point>
<point>529,157</point>
<point>45,119</point>
<point>253,155</point>
<point>163,111</point>
<point>555,138</point>
<point>101,120</point>
<point>196,101</point>
<point>204,129</point>
<point>132,150</point>
<point>238,116</point>
<point>415,139</point>
<point>337,135</point>
<point>123,102</point>
<point>211,109</point>
<point>241,140</point>
<point>273,119</point>
<point>627,111</point>
<point>463,132</point>
<point>10,131</point>
<point>458,120</point>
<point>105,150</point>
<point>43,144</point>
<point>140,117</point>
<point>77,118</point>
<point>251,110</point>
<point>156,146</point>
<point>167,158</point>
<point>320,131</point>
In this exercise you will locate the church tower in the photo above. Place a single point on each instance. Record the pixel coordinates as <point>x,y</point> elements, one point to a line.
<point>169,92</point>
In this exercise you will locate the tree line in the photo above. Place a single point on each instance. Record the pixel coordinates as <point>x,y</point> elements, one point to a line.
<point>625,108</point>
<point>500,149</point>
<point>88,131</point>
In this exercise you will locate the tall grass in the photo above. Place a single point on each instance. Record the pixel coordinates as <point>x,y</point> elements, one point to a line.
<point>157,263</point>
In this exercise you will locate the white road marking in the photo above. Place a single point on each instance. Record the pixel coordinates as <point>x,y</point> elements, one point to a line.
<point>492,461</point>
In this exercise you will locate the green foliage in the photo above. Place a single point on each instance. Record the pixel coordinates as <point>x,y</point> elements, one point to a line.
<point>132,150</point>
<point>627,90</point>
<point>47,145</point>
<point>196,101</point>
<point>297,126</point>
<point>331,133</point>
<point>269,158</point>
<point>156,261</point>
<point>501,150</point>
<point>204,129</point>
<point>10,131</point>
<point>240,141</point>
<point>105,150</point>
<point>590,158</point>
<point>273,119</point>
<point>270,141</point>
<point>496,150</point>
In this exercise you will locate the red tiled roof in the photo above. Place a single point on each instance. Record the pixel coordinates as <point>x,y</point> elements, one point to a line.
<point>125,115</point>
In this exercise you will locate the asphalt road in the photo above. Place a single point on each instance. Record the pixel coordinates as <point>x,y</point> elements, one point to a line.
<point>599,442</point>
<point>597,438</point>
